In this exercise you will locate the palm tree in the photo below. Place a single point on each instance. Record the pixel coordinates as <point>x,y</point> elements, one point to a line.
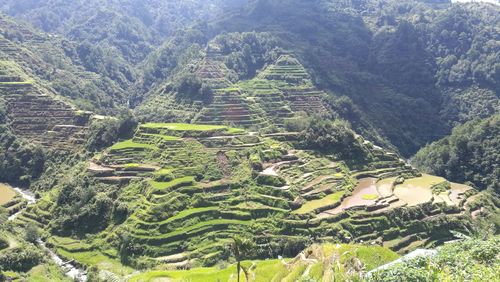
<point>242,248</point>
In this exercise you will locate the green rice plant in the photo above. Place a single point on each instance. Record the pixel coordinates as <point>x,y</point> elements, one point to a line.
<point>310,206</point>
<point>369,197</point>
<point>130,144</point>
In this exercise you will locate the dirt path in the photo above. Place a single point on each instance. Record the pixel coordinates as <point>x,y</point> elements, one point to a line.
<point>271,170</point>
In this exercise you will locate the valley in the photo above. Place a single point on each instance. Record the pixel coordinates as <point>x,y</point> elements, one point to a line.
<point>260,140</point>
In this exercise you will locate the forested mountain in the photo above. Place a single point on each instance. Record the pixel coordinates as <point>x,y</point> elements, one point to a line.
<point>411,93</point>
<point>201,140</point>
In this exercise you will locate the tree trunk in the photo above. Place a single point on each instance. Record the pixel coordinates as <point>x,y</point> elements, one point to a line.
<point>238,267</point>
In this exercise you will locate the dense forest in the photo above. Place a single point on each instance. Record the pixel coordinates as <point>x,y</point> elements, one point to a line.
<point>266,140</point>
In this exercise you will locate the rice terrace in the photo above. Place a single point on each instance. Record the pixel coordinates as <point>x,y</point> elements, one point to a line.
<point>256,141</point>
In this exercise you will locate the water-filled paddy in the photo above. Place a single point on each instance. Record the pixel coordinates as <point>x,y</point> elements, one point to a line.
<point>364,194</point>
<point>384,186</point>
<point>417,190</point>
<point>6,193</point>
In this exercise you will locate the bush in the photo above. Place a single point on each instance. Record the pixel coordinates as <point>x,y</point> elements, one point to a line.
<point>468,260</point>
<point>271,180</point>
<point>3,243</point>
<point>22,258</point>
<point>104,133</point>
<point>164,175</point>
<point>297,124</point>
<point>333,137</point>
<point>31,233</point>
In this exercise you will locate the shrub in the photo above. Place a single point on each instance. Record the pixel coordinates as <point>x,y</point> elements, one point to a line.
<point>31,233</point>
<point>271,180</point>
<point>467,260</point>
<point>333,137</point>
<point>22,258</point>
<point>3,243</point>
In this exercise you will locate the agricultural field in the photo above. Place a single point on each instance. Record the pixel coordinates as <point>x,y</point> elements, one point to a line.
<point>191,188</point>
<point>7,194</point>
<point>186,190</point>
<point>223,140</point>
<point>316,263</point>
<point>277,94</point>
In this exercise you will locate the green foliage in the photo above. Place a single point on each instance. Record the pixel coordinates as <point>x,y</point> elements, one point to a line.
<point>329,200</point>
<point>333,137</point>
<point>21,258</point>
<point>163,175</point>
<point>297,124</point>
<point>400,73</point>
<point>441,187</point>
<point>242,248</point>
<point>271,180</point>
<point>248,51</point>
<point>469,154</point>
<point>31,233</point>
<point>105,132</point>
<point>3,243</point>
<point>190,86</point>
<point>83,206</point>
<point>469,260</point>
<point>20,161</point>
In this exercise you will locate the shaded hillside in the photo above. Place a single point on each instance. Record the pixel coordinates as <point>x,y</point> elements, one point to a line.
<point>395,62</point>
<point>114,36</point>
<point>53,62</point>
<point>413,70</point>
<point>470,153</point>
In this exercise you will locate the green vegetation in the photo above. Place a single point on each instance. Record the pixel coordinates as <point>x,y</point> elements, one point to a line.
<point>273,135</point>
<point>188,180</point>
<point>21,258</point>
<point>288,270</point>
<point>369,196</point>
<point>183,126</point>
<point>441,187</point>
<point>468,155</point>
<point>241,249</point>
<point>129,144</point>
<point>315,204</point>
<point>468,260</point>
<point>20,161</point>
<point>334,137</point>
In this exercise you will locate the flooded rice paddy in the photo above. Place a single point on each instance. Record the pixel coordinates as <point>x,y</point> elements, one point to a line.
<point>6,193</point>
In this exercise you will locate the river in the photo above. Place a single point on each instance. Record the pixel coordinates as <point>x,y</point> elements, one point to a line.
<point>70,270</point>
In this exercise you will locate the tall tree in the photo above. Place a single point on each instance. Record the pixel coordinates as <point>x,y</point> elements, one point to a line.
<point>242,248</point>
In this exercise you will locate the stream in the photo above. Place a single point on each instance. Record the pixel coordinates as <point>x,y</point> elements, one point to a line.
<point>69,269</point>
<point>28,196</point>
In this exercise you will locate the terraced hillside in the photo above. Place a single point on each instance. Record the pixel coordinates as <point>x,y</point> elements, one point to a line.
<point>279,92</point>
<point>54,61</point>
<point>36,115</point>
<point>191,188</point>
<point>326,262</point>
